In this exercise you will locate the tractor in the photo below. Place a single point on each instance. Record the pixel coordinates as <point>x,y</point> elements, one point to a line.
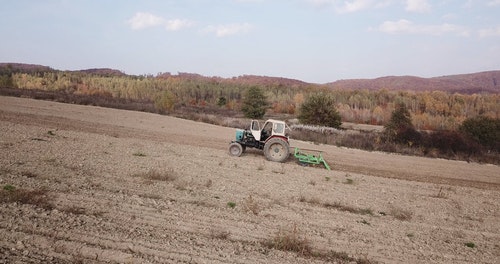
<point>271,139</point>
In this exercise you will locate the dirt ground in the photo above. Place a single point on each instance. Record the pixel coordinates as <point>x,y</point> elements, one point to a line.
<point>131,187</point>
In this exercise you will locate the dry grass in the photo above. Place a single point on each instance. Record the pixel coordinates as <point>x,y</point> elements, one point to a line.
<point>250,205</point>
<point>29,174</point>
<point>155,175</point>
<point>314,200</point>
<point>76,210</point>
<point>290,240</point>
<point>440,194</point>
<point>153,196</point>
<point>401,214</point>
<point>337,206</point>
<point>182,185</point>
<point>219,234</point>
<point>208,183</point>
<point>345,208</point>
<point>343,257</point>
<point>40,198</point>
<point>348,181</point>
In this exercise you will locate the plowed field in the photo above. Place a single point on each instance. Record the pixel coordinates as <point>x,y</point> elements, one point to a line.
<point>83,184</point>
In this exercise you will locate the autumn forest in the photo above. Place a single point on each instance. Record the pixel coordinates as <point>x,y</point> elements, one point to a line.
<point>430,110</point>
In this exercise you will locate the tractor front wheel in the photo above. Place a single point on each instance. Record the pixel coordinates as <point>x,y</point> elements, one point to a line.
<point>276,149</point>
<point>235,149</point>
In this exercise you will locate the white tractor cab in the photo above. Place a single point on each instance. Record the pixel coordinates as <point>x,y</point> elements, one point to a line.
<point>271,128</point>
<point>272,139</point>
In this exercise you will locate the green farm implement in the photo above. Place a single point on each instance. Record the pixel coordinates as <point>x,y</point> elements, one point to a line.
<point>313,159</point>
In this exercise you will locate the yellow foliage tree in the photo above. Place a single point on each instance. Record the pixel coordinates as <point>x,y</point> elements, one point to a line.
<point>165,101</point>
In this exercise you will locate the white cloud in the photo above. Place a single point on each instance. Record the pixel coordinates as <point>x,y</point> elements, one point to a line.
<point>349,6</point>
<point>406,26</point>
<point>144,20</point>
<point>420,6</point>
<point>355,5</point>
<point>402,25</point>
<point>229,29</point>
<point>490,32</point>
<point>472,3</point>
<point>494,3</point>
<point>322,3</point>
<point>177,24</point>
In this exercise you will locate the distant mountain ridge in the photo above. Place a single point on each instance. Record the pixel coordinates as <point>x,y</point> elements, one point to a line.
<point>23,67</point>
<point>481,82</point>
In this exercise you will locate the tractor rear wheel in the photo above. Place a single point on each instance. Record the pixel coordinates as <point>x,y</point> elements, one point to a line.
<point>276,149</point>
<point>235,149</point>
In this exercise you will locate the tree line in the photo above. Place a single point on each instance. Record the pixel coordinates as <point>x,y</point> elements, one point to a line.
<point>434,110</point>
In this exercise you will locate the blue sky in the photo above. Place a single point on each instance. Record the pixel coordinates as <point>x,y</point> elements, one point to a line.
<point>316,41</point>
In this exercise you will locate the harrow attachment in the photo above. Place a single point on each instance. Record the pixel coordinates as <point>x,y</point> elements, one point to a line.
<point>306,159</point>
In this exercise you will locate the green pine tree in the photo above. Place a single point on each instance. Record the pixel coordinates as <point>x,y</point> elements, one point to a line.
<point>319,109</point>
<point>255,103</point>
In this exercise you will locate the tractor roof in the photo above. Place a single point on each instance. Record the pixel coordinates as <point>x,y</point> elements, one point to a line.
<point>275,121</point>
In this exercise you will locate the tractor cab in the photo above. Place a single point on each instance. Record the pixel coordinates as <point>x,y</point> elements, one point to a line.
<point>271,128</point>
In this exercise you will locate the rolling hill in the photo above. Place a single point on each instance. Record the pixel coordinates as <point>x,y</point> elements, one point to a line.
<point>481,82</point>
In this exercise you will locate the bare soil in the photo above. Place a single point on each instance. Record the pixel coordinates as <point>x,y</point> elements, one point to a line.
<point>130,187</point>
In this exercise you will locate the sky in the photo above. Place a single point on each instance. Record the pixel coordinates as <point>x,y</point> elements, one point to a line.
<point>316,41</point>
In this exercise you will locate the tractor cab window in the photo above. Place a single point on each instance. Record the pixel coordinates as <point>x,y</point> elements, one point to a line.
<point>278,128</point>
<point>266,131</point>
<point>255,125</point>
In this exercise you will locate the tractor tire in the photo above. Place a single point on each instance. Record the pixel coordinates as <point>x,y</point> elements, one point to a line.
<point>235,149</point>
<point>276,149</point>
